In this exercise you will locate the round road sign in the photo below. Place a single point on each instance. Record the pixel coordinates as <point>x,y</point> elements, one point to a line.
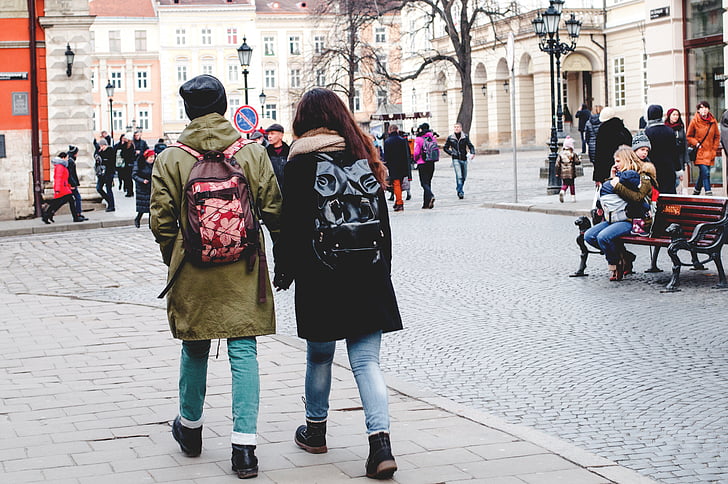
<point>246,119</point>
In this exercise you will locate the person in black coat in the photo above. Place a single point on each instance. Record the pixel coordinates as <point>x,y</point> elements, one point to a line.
<point>612,134</point>
<point>583,116</point>
<point>664,153</point>
<point>73,180</point>
<point>107,159</point>
<point>140,147</point>
<point>590,133</point>
<point>396,157</point>
<point>142,175</point>
<point>277,151</point>
<point>355,302</point>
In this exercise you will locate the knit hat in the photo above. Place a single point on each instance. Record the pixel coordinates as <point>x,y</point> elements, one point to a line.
<point>72,150</point>
<point>569,143</point>
<point>641,140</point>
<point>275,127</point>
<point>606,114</point>
<point>203,95</point>
<point>654,112</point>
<point>103,142</point>
<point>149,152</point>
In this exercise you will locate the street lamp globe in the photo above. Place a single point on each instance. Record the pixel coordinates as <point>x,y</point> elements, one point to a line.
<point>245,52</point>
<point>538,26</point>
<point>69,59</point>
<point>551,20</point>
<point>573,27</point>
<point>558,5</point>
<point>261,98</point>
<point>109,89</point>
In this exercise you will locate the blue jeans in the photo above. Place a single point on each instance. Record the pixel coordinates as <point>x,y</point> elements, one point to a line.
<point>76,202</point>
<point>461,173</point>
<point>108,195</point>
<point>603,236</point>
<point>364,359</point>
<point>242,353</point>
<point>703,178</point>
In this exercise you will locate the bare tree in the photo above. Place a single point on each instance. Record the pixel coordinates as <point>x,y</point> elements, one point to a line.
<point>347,57</point>
<point>458,18</point>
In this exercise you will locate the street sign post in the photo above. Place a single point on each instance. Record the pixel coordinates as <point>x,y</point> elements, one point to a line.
<point>246,119</point>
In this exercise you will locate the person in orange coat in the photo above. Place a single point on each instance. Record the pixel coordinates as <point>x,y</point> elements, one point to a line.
<point>704,134</point>
<point>62,190</point>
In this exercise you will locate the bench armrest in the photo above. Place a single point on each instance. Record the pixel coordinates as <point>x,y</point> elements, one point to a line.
<point>702,229</point>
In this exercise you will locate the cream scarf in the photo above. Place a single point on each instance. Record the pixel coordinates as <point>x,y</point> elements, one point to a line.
<point>319,139</point>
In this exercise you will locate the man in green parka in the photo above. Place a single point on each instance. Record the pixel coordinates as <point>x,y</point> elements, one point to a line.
<point>219,301</point>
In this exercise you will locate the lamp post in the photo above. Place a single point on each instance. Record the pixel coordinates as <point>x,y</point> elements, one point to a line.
<point>546,26</point>
<point>245,52</point>
<point>69,59</point>
<point>261,98</point>
<point>110,94</point>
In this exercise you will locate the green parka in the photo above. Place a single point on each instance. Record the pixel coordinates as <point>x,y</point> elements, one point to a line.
<point>218,301</point>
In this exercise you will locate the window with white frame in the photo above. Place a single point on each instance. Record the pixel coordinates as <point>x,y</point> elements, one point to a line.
<point>270,78</point>
<point>380,35</point>
<point>357,99</point>
<point>645,86</point>
<point>412,36</point>
<point>382,96</point>
<point>206,36</point>
<point>271,111</point>
<point>320,77</point>
<point>181,72</point>
<point>295,78</point>
<point>232,35</point>
<point>382,61</point>
<point>115,79</point>
<point>117,116</point>
<point>207,68</point>
<point>318,44</point>
<point>232,71</point>
<point>618,77</point>
<point>564,88</point>
<point>269,45</point>
<point>233,105</point>
<point>140,40</point>
<point>143,119</point>
<point>114,40</point>
<point>294,45</point>
<point>180,109</point>
<point>142,79</point>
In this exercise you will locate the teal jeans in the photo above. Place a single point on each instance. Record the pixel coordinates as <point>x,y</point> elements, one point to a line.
<point>242,353</point>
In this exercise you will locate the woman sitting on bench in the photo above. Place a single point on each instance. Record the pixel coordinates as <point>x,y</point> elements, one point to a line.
<point>622,198</point>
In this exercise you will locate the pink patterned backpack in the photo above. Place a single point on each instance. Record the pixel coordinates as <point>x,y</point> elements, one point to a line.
<point>222,225</point>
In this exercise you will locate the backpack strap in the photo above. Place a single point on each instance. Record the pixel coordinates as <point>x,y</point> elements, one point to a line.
<point>228,152</point>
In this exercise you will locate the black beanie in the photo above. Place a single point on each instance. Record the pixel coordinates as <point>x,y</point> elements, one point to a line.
<point>654,112</point>
<point>203,95</point>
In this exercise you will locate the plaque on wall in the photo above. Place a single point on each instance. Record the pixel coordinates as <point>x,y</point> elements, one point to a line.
<point>21,106</point>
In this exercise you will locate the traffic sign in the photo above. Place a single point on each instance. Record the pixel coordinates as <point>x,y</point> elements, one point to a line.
<point>246,119</point>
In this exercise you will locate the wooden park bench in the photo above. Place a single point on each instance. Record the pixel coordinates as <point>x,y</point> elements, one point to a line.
<point>698,225</point>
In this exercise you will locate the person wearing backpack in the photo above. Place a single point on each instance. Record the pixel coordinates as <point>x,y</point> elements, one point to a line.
<point>336,244</point>
<point>208,299</point>
<point>426,154</point>
<point>459,147</point>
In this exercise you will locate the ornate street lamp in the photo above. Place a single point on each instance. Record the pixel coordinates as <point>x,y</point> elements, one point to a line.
<point>69,60</point>
<point>261,98</point>
<point>245,52</point>
<point>546,27</point>
<point>110,94</point>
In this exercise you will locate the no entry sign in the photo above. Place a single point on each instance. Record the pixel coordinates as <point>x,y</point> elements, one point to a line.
<point>246,119</point>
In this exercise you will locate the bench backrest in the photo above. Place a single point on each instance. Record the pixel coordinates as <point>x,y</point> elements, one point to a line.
<point>687,212</point>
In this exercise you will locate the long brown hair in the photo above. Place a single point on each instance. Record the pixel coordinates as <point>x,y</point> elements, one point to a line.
<point>322,108</point>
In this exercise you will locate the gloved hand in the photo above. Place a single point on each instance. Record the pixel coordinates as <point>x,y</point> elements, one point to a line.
<point>282,281</point>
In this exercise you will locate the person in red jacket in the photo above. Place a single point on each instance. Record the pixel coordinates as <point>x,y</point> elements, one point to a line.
<point>62,190</point>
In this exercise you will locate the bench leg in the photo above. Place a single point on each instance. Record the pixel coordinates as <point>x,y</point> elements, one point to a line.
<point>722,284</point>
<point>584,256</point>
<point>697,266</point>
<point>672,286</point>
<point>653,263</point>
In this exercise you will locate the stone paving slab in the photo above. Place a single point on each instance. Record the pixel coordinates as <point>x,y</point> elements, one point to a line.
<point>88,390</point>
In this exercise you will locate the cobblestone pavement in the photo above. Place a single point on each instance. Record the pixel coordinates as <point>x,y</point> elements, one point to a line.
<point>492,322</point>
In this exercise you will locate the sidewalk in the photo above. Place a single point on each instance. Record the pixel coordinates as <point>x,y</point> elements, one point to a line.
<point>89,389</point>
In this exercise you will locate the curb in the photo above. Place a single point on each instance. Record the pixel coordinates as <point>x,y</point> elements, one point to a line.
<point>65,227</point>
<point>593,463</point>
<point>547,209</point>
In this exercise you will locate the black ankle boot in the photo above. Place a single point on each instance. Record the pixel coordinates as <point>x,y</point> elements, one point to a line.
<point>312,437</point>
<point>189,440</point>
<point>380,463</point>
<point>245,463</point>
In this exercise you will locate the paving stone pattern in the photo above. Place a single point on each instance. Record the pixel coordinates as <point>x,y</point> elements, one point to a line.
<point>493,322</point>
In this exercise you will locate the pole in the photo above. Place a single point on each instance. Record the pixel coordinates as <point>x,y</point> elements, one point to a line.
<point>513,136</point>
<point>37,164</point>
<point>245,78</point>
<point>111,118</point>
<point>559,95</point>
<point>553,187</point>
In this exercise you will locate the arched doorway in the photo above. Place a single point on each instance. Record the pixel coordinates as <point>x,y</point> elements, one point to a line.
<point>524,97</point>
<point>479,130</point>
<point>439,104</point>
<point>577,72</point>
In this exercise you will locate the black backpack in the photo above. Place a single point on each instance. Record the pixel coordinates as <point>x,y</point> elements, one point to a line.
<point>347,229</point>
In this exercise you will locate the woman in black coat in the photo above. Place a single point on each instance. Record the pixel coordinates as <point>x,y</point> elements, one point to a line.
<point>612,134</point>
<point>673,120</point>
<point>664,153</point>
<point>348,300</point>
<point>142,175</point>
